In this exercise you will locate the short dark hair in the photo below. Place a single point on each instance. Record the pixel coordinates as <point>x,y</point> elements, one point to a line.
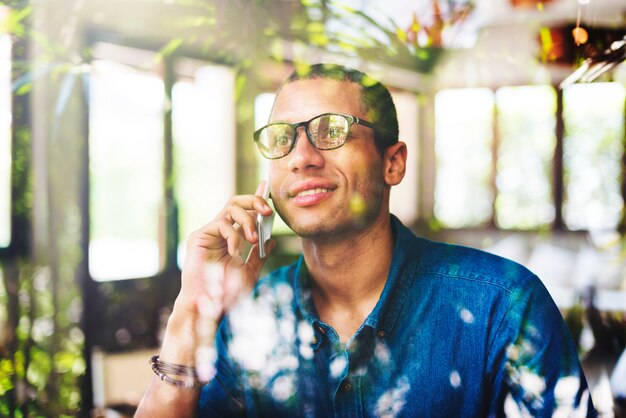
<point>375,96</point>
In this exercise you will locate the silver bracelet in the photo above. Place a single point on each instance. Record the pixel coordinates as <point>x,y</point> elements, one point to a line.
<point>160,368</point>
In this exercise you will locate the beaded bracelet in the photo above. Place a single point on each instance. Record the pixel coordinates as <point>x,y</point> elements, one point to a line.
<point>160,368</point>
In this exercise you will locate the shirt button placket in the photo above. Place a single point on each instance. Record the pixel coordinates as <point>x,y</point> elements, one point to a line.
<point>346,386</point>
<point>346,394</point>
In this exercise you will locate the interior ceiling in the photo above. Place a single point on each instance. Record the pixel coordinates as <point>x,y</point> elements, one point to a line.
<point>485,13</point>
<point>165,19</point>
<point>503,12</point>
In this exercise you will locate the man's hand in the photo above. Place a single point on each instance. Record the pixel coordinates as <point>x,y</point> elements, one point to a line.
<point>214,277</point>
<point>220,243</point>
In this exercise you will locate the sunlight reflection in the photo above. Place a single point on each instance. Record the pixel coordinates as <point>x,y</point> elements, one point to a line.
<point>566,390</point>
<point>533,384</point>
<point>254,334</point>
<point>467,316</point>
<point>283,388</point>
<point>267,339</point>
<point>337,366</point>
<point>455,379</point>
<point>382,353</point>
<point>306,336</point>
<point>391,403</point>
<point>529,389</point>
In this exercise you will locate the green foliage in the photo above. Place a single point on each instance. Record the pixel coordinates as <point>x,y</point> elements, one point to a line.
<point>41,359</point>
<point>14,23</point>
<point>40,364</point>
<point>249,30</point>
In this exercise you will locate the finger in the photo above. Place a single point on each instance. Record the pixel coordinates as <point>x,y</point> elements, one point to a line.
<point>263,191</point>
<point>261,188</point>
<point>234,239</point>
<point>246,221</point>
<point>248,202</point>
<point>254,262</point>
<point>239,221</point>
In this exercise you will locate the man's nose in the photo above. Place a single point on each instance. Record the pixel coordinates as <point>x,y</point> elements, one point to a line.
<point>304,154</point>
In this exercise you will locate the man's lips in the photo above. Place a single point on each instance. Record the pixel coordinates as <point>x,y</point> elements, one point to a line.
<point>310,193</point>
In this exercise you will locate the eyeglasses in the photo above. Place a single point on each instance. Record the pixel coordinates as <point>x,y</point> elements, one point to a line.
<point>326,131</point>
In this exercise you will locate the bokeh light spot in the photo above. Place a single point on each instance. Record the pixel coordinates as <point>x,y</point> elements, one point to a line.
<point>467,316</point>
<point>455,379</point>
<point>357,204</point>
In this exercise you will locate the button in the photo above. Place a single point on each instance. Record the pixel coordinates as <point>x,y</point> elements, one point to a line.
<point>346,386</point>
<point>321,329</point>
<point>381,334</point>
<point>314,340</point>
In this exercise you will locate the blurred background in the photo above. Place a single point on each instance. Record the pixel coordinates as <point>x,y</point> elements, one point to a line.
<point>125,125</point>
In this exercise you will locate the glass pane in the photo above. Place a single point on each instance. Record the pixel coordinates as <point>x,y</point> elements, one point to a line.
<point>404,196</point>
<point>5,140</point>
<point>526,125</point>
<point>594,129</point>
<point>463,141</point>
<point>126,171</point>
<point>203,118</point>
<point>262,109</point>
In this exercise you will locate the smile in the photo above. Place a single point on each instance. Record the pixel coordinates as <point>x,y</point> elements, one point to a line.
<point>310,192</point>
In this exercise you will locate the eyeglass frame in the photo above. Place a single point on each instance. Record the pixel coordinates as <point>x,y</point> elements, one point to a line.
<point>352,120</point>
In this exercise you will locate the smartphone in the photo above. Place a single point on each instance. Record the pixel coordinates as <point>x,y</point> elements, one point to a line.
<point>264,224</point>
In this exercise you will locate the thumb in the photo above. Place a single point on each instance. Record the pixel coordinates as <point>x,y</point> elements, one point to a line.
<point>254,262</point>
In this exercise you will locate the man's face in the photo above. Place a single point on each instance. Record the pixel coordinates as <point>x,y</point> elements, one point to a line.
<point>320,193</point>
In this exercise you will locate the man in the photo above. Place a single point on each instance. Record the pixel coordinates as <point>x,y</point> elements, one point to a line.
<point>372,320</point>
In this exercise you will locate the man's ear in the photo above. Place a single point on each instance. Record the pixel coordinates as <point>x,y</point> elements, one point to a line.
<point>395,163</point>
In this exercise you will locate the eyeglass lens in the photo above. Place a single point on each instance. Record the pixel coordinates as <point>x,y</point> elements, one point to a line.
<point>326,132</point>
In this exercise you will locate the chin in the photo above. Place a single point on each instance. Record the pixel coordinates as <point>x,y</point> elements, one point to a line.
<point>312,225</point>
<point>330,228</point>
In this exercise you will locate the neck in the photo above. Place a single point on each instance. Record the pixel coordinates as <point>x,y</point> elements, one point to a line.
<point>349,274</point>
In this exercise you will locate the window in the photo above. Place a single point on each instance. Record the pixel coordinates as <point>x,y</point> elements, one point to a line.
<point>262,109</point>
<point>594,131</point>
<point>203,121</point>
<point>133,187</point>
<point>463,148</point>
<point>526,125</point>
<point>517,191</point>
<point>404,197</point>
<point>5,140</point>
<point>126,165</point>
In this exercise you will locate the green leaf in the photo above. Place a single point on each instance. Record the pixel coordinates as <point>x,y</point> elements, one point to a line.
<point>64,361</point>
<point>171,47</point>
<point>401,35</point>
<point>13,23</point>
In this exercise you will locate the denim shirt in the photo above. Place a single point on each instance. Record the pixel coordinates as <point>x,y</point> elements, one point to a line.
<point>457,332</point>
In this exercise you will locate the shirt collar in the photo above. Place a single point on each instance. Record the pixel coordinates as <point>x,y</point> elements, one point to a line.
<point>401,273</point>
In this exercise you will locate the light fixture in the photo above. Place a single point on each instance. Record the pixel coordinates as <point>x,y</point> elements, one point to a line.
<point>594,67</point>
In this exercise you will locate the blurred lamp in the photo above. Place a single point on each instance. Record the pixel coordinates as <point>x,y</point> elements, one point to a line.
<point>594,67</point>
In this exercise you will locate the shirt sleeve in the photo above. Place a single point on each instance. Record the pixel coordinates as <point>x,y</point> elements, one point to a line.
<point>533,360</point>
<point>223,395</point>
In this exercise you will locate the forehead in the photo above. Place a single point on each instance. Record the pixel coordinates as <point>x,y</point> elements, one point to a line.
<point>303,99</point>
